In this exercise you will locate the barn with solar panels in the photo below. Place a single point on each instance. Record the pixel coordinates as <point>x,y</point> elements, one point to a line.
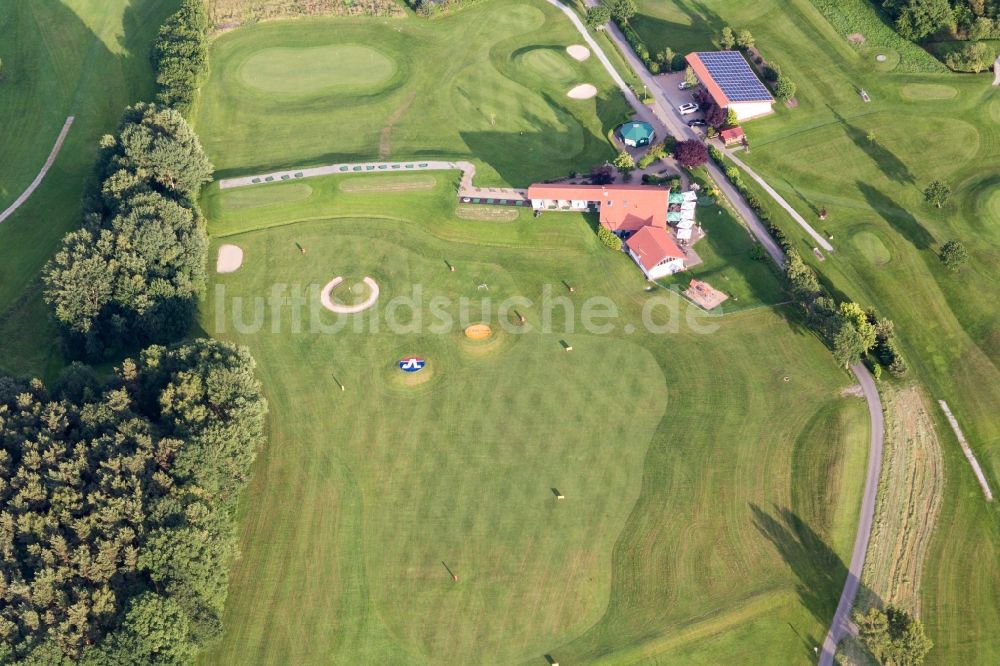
<point>731,82</point>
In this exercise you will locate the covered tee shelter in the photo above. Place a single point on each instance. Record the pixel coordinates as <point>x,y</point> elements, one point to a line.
<point>637,133</point>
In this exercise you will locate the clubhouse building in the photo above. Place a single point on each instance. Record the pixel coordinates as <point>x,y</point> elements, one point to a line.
<point>728,78</point>
<point>635,213</point>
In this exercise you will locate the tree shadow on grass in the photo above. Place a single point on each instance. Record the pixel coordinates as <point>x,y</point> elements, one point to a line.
<point>886,160</point>
<point>694,35</point>
<point>820,571</point>
<point>523,158</point>
<point>898,217</point>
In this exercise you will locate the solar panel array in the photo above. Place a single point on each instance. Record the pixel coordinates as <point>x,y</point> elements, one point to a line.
<point>733,74</point>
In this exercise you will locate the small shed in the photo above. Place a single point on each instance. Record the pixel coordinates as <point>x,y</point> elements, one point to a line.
<point>637,134</point>
<point>732,135</point>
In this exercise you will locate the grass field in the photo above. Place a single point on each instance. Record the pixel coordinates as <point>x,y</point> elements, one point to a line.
<point>87,58</point>
<point>487,84</point>
<point>681,536</point>
<point>712,481</point>
<point>818,155</point>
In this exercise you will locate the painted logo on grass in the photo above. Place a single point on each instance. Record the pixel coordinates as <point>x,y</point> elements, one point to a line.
<point>412,364</point>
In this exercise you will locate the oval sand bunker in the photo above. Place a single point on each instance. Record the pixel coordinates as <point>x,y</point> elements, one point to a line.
<point>584,91</point>
<point>230,259</point>
<point>578,52</point>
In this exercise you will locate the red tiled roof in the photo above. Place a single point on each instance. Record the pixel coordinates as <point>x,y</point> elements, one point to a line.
<point>652,245</point>
<point>706,80</point>
<point>732,134</point>
<point>623,207</point>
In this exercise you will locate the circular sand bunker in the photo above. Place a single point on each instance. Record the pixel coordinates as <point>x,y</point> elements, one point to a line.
<point>325,299</point>
<point>583,91</point>
<point>578,52</point>
<point>230,259</point>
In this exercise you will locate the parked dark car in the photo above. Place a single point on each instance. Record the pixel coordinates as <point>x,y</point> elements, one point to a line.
<point>697,122</point>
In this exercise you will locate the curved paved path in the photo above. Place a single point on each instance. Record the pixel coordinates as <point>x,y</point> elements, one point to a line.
<point>668,122</point>
<point>661,120</point>
<point>41,174</point>
<point>841,624</point>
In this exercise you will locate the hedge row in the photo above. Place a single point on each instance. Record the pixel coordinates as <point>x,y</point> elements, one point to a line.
<point>432,7</point>
<point>180,55</point>
<point>736,178</point>
<point>823,313</point>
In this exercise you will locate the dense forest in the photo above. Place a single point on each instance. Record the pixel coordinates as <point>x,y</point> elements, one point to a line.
<point>964,19</point>
<point>117,495</point>
<point>116,499</point>
<point>133,273</point>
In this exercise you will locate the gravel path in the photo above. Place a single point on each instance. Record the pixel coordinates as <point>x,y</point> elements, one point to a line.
<point>967,450</point>
<point>816,236</point>
<point>41,174</point>
<point>841,624</point>
<point>465,189</point>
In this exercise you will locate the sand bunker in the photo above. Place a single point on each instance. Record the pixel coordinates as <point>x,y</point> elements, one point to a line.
<point>584,91</point>
<point>324,297</point>
<point>230,259</point>
<point>578,52</point>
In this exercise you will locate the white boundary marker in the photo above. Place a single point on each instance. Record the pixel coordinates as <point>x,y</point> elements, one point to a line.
<point>41,174</point>
<point>969,455</point>
<point>324,297</point>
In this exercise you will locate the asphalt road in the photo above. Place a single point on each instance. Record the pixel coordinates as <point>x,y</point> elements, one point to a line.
<point>669,120</point>
<point>666,120</point>
<point>841,624</point>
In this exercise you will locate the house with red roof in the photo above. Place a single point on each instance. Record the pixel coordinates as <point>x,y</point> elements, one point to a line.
<point>732,135</point>
<point>728,78</point>
<point>636,213</point>
<point>624,209</point>
<point>656,252</point>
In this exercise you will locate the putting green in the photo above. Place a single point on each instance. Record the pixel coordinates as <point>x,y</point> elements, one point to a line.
<point>891,58</point>
<point>872,247</point>
<point>265,195</point>
<point>317,69</point>
<point>549,63</point>
<point>927,92</point>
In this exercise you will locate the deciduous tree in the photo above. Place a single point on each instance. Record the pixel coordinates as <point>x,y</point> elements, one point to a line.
<point>954,255</point>
<point>726,38</point>
<point>690,154</point>
<point>623,10</point>
<point>785,89</point>
<point>937,193</point>
<point>597,17</point>
<point>624,162</point>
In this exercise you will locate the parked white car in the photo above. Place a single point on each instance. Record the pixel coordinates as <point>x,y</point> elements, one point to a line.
<point>687,109</point>
<point>684,85</point>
